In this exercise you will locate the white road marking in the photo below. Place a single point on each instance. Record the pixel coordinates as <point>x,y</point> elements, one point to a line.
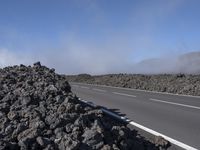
<point>84,87</point>
<point>74,85</point>
<point>99,90</point>
<point>123,94</point>
<point>172,103</point>
<point>171,140</point>
<point>132,89</point>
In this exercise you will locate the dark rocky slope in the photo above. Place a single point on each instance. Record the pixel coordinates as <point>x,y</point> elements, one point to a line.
<point>39,111</point>
<point>175,83</point>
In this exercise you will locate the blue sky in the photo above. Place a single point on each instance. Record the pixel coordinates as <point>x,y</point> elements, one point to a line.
<point>96,36</point>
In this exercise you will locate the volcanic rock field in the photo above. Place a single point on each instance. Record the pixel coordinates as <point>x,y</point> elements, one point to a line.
<point>186,84</point>
<point>39,111</point>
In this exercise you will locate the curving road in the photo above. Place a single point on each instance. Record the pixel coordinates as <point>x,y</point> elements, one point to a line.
<point>175,116</point>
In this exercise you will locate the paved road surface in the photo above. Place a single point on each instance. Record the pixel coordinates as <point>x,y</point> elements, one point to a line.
<point>172,115</point>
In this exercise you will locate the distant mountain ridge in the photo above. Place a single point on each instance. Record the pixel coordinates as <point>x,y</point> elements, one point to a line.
<point>188,63</point>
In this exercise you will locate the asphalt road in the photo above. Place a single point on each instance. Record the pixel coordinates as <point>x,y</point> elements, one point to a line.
<point>172,115</point>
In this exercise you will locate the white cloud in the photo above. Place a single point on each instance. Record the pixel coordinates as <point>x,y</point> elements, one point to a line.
<point>80,60</point>
<point>8,58</point>
<point>81,56</point>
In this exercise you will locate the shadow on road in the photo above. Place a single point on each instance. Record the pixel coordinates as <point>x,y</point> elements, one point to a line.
<point>117,111</point>
<point>131,133</point>
<point>152,143</point>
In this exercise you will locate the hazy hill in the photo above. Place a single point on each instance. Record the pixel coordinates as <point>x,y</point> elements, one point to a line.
<point>188,63</point>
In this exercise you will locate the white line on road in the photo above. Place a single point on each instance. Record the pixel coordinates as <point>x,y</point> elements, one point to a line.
<point>171,140</point>
<point>99,90</point>
<point>84,87</point>
<point>178,143</point>
<point>172,103</point>
<point>123,94</point>
<point>75,85</point>
<point>132,89</point>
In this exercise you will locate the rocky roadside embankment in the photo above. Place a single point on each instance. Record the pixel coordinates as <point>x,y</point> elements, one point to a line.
<point>39,111</point>
<point>177,83</point>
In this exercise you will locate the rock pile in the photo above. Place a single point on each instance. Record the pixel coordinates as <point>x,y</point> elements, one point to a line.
<point>170,83</point>
<point>39,111</point>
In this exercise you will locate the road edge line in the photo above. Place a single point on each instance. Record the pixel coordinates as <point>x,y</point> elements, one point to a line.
<point>171,140</point>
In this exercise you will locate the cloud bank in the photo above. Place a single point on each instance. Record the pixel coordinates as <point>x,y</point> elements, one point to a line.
<point>75,61</point>
<point>8,58</point>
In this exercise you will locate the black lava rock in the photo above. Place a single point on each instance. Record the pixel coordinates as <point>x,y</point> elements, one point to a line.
<point>39,111</point>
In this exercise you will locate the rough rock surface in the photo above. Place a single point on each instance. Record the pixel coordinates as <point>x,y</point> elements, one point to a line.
<point>170,83</point>
<point>39,111</point>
